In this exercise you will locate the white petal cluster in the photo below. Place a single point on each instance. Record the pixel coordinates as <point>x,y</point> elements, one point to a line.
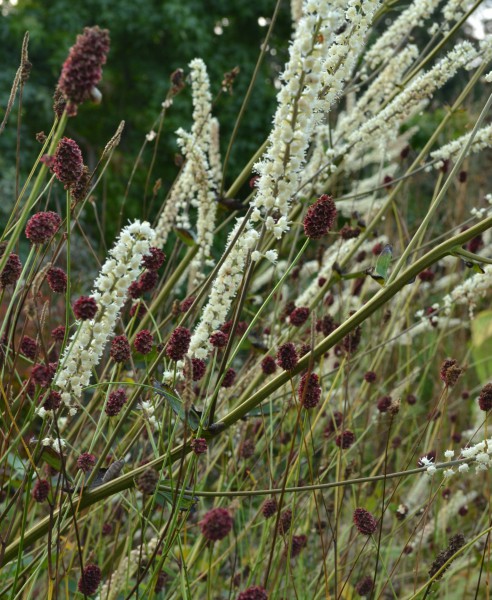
<point>398,32</point>
<point>87,344</point>
<point>313,79</point>
<point>481,140</point>
<point>200,177</point>
<point>224,290</point>
<point>385,124</point>
<point>455,9</point>
<point>378,92</point>
<point>469,291</point>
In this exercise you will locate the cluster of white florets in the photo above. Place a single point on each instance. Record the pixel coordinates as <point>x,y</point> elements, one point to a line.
<point>469,291</point>
<point>224,290</point>
<point>481,140</point>
<point>394,36</point>
<point>201,173</point>
<point>387,121</point>
<point>87,344</point>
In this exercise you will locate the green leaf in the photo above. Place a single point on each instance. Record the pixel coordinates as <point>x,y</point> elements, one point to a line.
<point>481,328</point>
<point>383,264</point>
<point>176,404</point>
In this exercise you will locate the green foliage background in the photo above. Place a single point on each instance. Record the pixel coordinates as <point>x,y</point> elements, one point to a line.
<point>149,40</point>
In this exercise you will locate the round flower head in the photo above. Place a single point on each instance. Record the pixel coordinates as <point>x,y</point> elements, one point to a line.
<point>218,339</point>
<point>80,189</point>
<point>285,521</point>
<point>89,580</point>
<point>57,280</point>
<point>154,260</point>
<point>384,403</point>
<point>216,524</point>
<point>11,271</point>
<point>299,316</point>
<point>29,347</point>
<point>198,367</point>
<point>326,325</point>
<point>370,376</point>
<point>42,226</point>
<point>268,365</point>
<point>364,586</point>
<point>450,372</point>
<point>485,398</point>
<point>116,401</point>
<point>199,445</point>
<point>298,543</point>
<point>254,592</point>
<point>364,521</point>
<point>143,341</point>
<point>287,356</point>
<point>309,390</point>
<point>120,349</point>
<point>186,304</point>
<point>178,344</point>
<point>42,375</point>
<point>52,400</point>
<point>269,507</point>
<point>58,333</point>
<point>41,490</point>
<point>345,439</point>
<point>82,70</point>
<point>229,378</point>
<point>320,217</point>
<point>86,461</point>
<point>148,281</point>
<point>67,163</point>
<point>85,308</point>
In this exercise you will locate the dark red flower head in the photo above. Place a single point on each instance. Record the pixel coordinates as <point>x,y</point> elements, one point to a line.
<point>90,579</point>
<point>364,586</point>
<point>42,226</point>
<point>86,461</point>
<point>154,259</point>
<point>143,341</point>
<point>364,521</point>
<point>120,349</point>
<point>216,524</point>
<point>320,217</point>
<point>82,70</point>
<point>345,439</point>
<point>285,521</point>
<point>58,333</point>
<point>287,357</point>
<point>11,271</point>
<point>199,445</point>
<point>178,344</point>
<point>218,339</point>
<point>57,280</point>
<point>116,401</point>
<point>67,163</point>
<point>450,372</point>
<point>485,398</point>
<point>229,378</point>
<point>384,403</point>
<point>29,347</point>
<point>85,308</point>
<point>268,365</point>
<point>41,490</point>
<point>254,592</point>
<point>370,376</point>
<point>299,316</point>
<point>269,507</point>
<point>309,390</point>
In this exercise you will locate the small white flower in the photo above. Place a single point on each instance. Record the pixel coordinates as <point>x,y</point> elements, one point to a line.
<point>431,470</point>
<point>464,468</point>
<point>271,255</point>
<point>449,454</point>
<point>448,473</point>
<point>255,256</point>
<point>151,135</point>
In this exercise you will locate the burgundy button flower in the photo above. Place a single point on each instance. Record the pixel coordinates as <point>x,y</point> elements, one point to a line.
<point>320,217</point>
<point>42,226</point>
<point>85,308</point>
<point>216,524</point>
<point>178,344</point>
<point>90,579</point>
<point>57,280</point>
<point>11,271</point>
<point>364,521</point>
<point>143,341</point>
